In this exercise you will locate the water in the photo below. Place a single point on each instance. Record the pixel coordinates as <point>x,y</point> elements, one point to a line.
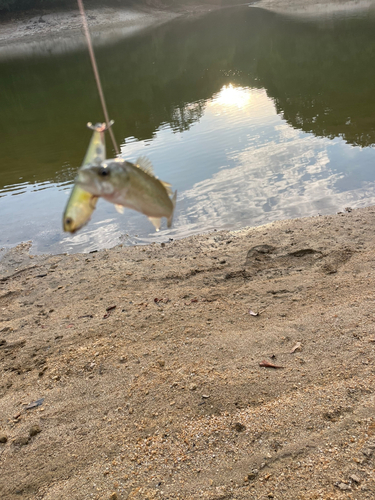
<point>252,116</point>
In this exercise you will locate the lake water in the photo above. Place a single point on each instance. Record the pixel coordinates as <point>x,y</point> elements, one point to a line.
<point>252,116</point>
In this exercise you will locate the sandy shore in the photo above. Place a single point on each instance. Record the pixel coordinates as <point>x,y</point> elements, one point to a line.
<point>310,8</point>
<point>54,33</point>
<point>44,32</point>
<point>135,373</point>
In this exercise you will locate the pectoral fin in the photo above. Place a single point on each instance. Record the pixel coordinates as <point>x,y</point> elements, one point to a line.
<point>93,201</point>
<point>156,222</point>
<point>119,208</point>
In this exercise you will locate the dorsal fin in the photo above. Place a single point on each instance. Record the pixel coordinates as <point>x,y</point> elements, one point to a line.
<point>145,164</point>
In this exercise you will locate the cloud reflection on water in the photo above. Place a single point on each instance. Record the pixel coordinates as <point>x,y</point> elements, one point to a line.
<point>280,173</point>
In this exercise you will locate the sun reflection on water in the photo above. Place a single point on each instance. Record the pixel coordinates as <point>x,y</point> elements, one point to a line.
<point>230,96</point>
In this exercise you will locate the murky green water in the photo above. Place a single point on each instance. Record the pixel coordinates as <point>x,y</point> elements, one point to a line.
<point>252,116</point>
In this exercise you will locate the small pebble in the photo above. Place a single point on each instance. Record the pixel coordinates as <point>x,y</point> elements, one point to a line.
<point>355,478</point>
<point>34,430</point>
<point>368,452</point>
<point>343,486</point>
<point>21,441</point>
<point>193,387</point>
<point>238,427</point>
<point>3,439</point>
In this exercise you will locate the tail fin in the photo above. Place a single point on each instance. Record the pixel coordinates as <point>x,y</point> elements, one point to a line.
<point>170,219</point>
<point>100,127</point>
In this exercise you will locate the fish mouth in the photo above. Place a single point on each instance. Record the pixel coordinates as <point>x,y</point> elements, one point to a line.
<point>69,226</point>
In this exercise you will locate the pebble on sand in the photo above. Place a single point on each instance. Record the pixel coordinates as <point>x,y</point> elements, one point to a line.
<point>21,441</point>
<point>34,430</point>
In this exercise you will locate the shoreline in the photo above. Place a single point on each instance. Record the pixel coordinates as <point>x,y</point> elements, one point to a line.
<point>45,33</point>
<point>42,32</point>
<point>9,264</point>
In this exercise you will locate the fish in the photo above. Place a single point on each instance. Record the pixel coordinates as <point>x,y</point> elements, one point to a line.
<point>81,203</point>
<point>130,185</point>
<point>79,209</point>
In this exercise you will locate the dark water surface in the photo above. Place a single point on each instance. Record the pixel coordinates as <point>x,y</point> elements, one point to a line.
<point>251,115</point>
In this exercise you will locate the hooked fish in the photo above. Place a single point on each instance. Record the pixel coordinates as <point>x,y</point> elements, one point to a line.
<point>79,209</point>
<point>130,185</point>
<point>81,203</point>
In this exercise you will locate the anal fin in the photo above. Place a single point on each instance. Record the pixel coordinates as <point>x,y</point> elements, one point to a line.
<point>156,222</point>
<point>170,218</point>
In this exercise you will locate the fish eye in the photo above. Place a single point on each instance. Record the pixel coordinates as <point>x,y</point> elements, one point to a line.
<point>68,220</point>
<point>103,172</point>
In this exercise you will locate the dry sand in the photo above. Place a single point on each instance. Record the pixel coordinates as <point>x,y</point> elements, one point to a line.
<point>147,362</point>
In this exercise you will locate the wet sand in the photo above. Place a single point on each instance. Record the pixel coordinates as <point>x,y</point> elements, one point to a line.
<point>146,366</point>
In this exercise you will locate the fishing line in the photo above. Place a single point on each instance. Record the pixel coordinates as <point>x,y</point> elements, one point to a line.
<point>96,73</point>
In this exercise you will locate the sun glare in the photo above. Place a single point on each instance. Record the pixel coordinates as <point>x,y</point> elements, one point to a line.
<point>233,96</point>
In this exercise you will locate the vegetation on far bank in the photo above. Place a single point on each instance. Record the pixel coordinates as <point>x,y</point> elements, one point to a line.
<point>22,5</point>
